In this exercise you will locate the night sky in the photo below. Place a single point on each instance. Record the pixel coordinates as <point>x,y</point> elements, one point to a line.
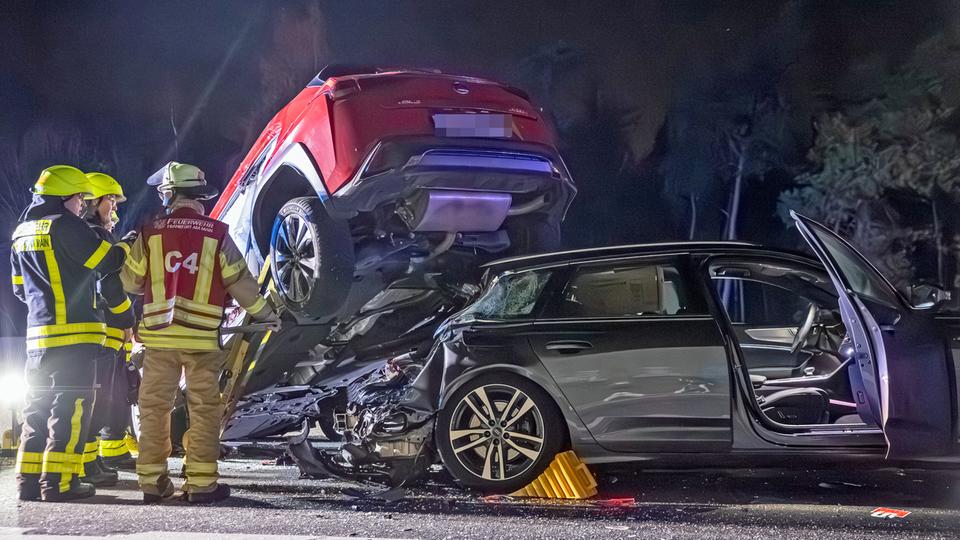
<point>633,88</point>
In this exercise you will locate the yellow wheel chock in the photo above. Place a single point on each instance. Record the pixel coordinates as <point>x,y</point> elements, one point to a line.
<point>566,478</point>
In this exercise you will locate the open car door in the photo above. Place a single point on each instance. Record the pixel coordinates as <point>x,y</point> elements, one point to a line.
<point>899,354</point>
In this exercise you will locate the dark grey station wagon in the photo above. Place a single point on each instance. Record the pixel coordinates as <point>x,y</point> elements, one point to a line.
<point>689,354</point>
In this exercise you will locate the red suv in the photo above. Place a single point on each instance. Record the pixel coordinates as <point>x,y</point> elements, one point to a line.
<point>370,175</point>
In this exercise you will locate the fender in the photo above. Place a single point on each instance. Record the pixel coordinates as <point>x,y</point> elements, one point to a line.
<point>295,156</point>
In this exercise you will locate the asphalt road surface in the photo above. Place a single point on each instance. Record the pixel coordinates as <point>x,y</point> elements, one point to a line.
<point>273,502</point>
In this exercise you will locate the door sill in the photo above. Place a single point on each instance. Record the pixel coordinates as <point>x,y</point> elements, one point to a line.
<point>842,429</point>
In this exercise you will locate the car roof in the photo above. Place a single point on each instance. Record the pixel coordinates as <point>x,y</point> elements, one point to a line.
<point>577,255</point>
<point>359,71</point>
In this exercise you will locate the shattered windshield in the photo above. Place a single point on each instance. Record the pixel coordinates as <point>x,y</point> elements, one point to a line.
<point>511,296</point>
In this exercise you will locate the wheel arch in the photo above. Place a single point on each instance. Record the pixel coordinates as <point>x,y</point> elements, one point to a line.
<point>290,174</point>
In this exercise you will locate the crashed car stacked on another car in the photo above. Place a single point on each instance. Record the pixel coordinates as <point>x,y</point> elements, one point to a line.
<point>377,228</point>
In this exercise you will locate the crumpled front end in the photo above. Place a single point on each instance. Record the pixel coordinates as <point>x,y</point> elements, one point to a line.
<point>387,429</point>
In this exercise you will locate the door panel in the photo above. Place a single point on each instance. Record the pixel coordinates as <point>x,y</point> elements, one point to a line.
<point>782,336</point>
<point>900,354</point>
<point>642,384</point>
<point>766,351</point>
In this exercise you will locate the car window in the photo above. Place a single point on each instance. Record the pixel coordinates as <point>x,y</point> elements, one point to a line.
<point>509,297</point>
<point>755,303</point>
<point>623,291</point>
<point>860,275</point>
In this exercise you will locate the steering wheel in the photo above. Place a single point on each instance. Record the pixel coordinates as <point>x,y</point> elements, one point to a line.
<point>804,331</point>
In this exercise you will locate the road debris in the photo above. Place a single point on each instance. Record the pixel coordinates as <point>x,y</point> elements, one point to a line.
<point>889,513</point>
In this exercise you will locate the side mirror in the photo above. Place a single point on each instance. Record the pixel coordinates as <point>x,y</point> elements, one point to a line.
<point>927,296</point>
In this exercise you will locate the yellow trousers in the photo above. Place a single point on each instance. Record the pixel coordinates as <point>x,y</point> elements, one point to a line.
<point>162,370</point>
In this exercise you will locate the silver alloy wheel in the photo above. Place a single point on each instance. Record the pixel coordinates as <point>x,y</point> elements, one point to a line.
<point>295,258</point>
<point>496,432</point>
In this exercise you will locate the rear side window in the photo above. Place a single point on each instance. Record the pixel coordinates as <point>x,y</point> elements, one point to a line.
<point>624,290</point>
<point>509,297</point>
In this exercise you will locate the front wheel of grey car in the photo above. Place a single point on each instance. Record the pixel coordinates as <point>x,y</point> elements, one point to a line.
<point>498,432</point>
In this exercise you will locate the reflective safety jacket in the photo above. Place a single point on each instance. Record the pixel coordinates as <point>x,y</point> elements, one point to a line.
<point>55,260</point>
<point>187,267</point>
<point>118,318</point>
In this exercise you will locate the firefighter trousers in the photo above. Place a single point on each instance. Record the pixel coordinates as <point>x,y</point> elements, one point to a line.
<point>55,418</point>
<point>116,418</point>
<point>162,369</point>
<point>103,404</point>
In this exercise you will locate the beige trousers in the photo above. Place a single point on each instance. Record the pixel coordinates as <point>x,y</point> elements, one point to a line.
<point>162,369</point>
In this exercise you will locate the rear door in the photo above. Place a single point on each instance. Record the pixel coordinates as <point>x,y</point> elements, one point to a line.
<point>631,346</point>
<point>900,354</point>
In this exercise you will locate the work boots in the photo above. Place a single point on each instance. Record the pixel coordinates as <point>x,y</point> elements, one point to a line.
<point>125,462</point>
<point>78,490</point>
<point>95,474</point>
<point>221,492</point>
<point>29,491</point>
<point>165,491</point>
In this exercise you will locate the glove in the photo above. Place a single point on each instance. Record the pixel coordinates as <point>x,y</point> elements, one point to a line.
<point>133,383</point>
<point>131,237</point>
<point>273,321</point>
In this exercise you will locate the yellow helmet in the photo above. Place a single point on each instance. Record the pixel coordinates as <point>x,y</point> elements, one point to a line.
<point>104,184</point>
<point>62,181</point>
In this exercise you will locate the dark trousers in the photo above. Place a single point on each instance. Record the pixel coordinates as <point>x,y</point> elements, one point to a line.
<point>103,404</point>
<point>117,419</point>
<point>55,417</point>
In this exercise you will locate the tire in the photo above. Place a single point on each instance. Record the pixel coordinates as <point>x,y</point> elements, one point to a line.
<point>533,234</point>
<point>325,420</point>
<point>465,455</point>
<point>311,259</point>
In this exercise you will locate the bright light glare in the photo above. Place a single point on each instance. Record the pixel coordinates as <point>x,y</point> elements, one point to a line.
<point>13,389</point>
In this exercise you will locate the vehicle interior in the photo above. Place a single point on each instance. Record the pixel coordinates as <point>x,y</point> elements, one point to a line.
<point>794,344</point>
<point>617,292</point>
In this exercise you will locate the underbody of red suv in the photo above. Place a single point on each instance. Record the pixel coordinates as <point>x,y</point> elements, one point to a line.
<point>368,176</point>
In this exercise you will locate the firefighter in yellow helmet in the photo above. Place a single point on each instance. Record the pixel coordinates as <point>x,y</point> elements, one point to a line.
<point>56,259</point>
<point>110,410</point>
<point>185,265</point>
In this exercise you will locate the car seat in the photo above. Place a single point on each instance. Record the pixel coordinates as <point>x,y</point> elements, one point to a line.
<point>796,406</point>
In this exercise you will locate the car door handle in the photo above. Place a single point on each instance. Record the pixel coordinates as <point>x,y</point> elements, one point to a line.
<point>569,347</point>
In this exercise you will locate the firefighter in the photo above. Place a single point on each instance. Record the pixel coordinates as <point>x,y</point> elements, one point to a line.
<point>114,451</point>
<point>55,260</point>
<point>185,265</point>
<point>110,411</point>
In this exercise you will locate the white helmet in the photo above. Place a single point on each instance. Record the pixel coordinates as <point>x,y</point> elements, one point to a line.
<point>182,179</point>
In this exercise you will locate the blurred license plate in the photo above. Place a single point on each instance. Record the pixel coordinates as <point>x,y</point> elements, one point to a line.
<point>473,125</point>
